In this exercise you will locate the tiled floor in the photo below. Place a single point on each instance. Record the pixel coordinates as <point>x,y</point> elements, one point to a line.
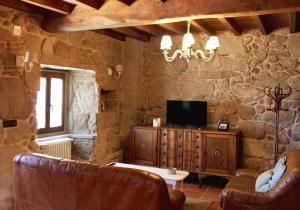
<point>208,192</point>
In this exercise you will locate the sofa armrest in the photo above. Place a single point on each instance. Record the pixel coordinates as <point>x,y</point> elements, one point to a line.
<point>177,199</point>
<point>247,172</point>
<point>248,198</point>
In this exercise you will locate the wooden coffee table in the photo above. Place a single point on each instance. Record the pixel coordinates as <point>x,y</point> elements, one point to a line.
<point>170,179</point>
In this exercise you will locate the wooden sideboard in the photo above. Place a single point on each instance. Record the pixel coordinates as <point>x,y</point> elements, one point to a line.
<point>204,151</point>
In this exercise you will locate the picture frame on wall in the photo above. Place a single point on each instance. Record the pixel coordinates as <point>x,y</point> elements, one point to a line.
<point>223,126</point>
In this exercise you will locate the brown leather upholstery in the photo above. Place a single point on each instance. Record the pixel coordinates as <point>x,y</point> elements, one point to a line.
<point>240,194</point>
<point>45,183</point>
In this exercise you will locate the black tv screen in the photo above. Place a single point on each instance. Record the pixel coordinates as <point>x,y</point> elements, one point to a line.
<point>187,113</point>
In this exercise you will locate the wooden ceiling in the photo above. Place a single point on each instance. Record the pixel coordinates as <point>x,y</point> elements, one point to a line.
<point>143,19</point>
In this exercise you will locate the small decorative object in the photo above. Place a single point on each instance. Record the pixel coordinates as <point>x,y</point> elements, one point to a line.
<point>187,51</point>
<point>115,72</point>
<point>154,123</point>
<point>119,70</point>
<point>277,94</point>
<point>109,72</point>
<point>158,122</point>
<point>17,30</point>
<point>223,126</point>
<point>28,61</point>
<point>171,171</point>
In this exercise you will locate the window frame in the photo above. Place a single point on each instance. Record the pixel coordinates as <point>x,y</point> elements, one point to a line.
<point>48,75</point>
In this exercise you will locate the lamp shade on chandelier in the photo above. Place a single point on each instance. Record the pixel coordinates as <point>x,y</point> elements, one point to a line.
<point>187,50</point>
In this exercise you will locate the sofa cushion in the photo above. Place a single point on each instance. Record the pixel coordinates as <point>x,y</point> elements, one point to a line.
<point>268,179</point>
<point>278,171</point>
<point>262,181</point>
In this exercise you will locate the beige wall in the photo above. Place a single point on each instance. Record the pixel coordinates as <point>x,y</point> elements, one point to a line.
<point>233,85</point>
<point>18,90</point>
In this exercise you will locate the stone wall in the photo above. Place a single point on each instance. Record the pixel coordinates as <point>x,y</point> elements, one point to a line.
<point>233,85</point>
<point>83,102</point>
<point>18,90</point>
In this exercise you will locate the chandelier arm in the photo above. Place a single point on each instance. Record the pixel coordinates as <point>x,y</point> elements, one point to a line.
<point>200,53</point>
<point>171,58</point>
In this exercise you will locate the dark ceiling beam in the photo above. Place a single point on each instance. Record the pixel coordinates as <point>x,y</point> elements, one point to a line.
<point>128,2</point>
<point>176,28</point>
<point>259,24</point>
<point>146,12</point>
<point>53,5</point>
<point>200,26</point>
<point>112,34</point>
<point>96,4</point>
<point>133,33</point>
<point>152,29</point>
<point>231,25</point>
<point>294,22</point>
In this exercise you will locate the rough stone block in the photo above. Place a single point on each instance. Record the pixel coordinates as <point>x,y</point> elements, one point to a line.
<point>296,132</point>
<point>252,129</point>
<point>246,112</point>
<point>17,103</point>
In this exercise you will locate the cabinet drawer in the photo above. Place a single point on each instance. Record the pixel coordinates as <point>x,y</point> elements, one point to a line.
<point>164,134</point>
<point>180,135</point>
<point>163,163</point>
<point>197,136</point>
<point>164,143</point>
<point>172,134</point>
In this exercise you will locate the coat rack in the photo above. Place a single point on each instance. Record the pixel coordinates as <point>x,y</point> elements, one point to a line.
<point>277,94</point>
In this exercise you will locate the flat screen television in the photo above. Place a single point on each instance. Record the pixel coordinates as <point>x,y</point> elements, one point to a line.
<point>186,113</point>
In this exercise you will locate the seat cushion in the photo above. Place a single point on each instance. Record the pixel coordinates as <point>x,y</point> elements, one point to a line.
<point>241,183</point>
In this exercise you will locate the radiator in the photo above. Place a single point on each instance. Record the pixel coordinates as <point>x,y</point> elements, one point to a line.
<point>57,148</point>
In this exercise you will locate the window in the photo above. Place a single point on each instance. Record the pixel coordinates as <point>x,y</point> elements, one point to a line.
<point>50,102</point>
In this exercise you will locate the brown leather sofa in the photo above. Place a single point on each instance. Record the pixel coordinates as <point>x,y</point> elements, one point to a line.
<point>240,194</point>
<point>45,183</point>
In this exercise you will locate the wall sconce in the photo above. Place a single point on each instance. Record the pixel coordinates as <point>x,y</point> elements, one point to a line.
<point>28,61</point>
<point>115,72</point>
<point>17,30</point>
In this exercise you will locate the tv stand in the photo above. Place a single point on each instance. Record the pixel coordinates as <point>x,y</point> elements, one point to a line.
<point>204,151</point>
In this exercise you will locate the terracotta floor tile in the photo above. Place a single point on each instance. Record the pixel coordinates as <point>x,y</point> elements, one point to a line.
<point>192,194</point>
<point>196,188</point>
<point>214,206</point>
<point>205,192</point>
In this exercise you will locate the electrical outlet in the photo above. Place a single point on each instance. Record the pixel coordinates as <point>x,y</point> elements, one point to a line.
<point>9,123</point>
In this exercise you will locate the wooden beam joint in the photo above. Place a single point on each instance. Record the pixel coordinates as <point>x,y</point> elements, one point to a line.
<point>231,25</point>
<point>259,24</point>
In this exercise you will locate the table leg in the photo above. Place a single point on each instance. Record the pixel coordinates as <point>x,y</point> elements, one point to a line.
<point>174,185</point>
<point>181,185</point>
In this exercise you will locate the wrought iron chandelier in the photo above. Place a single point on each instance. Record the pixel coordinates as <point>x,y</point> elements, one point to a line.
<point>187,51</point>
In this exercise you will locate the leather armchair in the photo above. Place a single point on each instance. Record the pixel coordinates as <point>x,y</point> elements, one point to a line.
<point>45,183</point>
<point>240,194</point>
